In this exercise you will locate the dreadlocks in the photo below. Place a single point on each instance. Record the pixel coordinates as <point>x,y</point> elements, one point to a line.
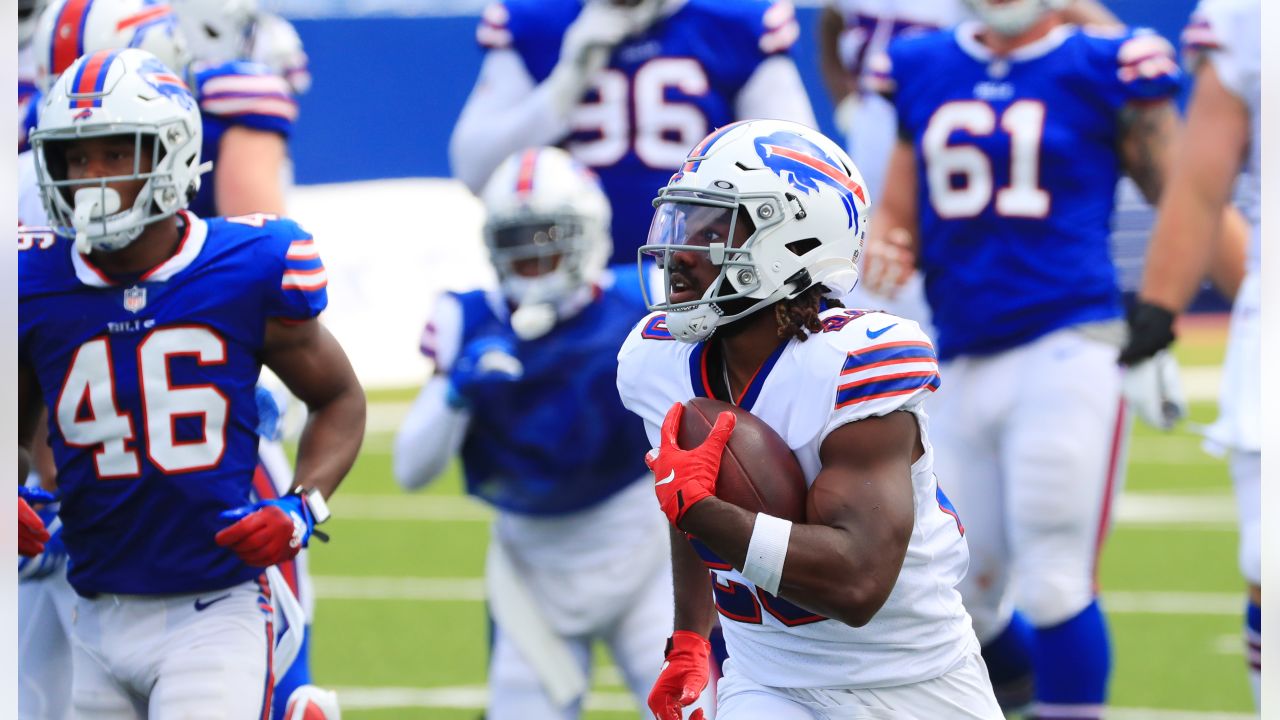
<point>798,317</point>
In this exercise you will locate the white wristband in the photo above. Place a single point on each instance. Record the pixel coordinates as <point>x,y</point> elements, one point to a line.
<point>767,552</point>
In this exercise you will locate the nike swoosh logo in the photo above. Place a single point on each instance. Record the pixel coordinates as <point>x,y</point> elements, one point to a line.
<point>202,605</point>
<point>667,479</point>
<point>873,334</point>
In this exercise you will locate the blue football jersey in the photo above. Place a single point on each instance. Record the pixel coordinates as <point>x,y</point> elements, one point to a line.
<point>558,439</point>
<point>150,388</point>
<point>237,94</point>
<point>663,91</point>
<point>1017,165</point>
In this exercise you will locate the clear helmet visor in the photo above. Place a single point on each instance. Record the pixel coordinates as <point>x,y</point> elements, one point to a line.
<point>691,229</point>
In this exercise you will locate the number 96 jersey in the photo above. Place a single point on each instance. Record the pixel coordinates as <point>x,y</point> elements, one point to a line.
<point>1017,163</point>
<point>150,391</point>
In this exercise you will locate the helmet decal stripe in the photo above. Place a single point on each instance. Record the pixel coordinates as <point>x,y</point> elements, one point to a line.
<point>91,77</point>
<point>524,178</point>
<point>143,16</point>
<point>823,167</point>
<point>68,36</point>
<point>704,147</point>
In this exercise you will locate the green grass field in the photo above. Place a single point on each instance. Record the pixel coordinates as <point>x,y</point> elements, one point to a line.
<point>401,629</point>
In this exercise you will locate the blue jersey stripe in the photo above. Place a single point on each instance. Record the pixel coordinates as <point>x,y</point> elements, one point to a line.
<point>889,386</point>
<point>889,352</point>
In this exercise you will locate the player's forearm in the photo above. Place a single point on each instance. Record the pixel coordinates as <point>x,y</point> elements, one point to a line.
<point>1227,267</point>
<point>250,172</point>
<point>824,572</point>
<point>693,608</point>
<point>331,439</point>
<point>1181,246</point>
<point>834,75</point>
<point>430,436</point>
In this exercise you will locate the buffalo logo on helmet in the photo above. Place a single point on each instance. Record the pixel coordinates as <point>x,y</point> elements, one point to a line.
<point>808,168</point>
<point>166,83</point>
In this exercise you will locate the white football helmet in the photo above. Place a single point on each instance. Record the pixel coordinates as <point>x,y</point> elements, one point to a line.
<point>69,29</point>
<point>117,92</point>
<point>547,230</point>
<point>805,198</point>
<point>1013,17</point>
<point>218,30</point>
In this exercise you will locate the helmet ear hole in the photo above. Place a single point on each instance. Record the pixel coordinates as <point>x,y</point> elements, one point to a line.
<point>801,247</point>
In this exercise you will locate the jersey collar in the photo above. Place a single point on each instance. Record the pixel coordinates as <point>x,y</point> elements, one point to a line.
<point>189,247</point>
<point>967,38</point>
<point>700,370</point>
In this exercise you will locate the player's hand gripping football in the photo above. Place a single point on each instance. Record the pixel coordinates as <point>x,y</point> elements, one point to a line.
<point>32,533</point>
<point>267,532</point>
<point>682,478</point>
<point>683,677</point>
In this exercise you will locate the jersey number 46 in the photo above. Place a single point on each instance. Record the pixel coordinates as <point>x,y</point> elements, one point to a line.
<point>89,416</point>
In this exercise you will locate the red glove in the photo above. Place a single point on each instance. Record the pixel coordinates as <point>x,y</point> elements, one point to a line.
<point>683,677</point>
<point>682,478</point>
<point>267,533</point>
<point>32,534</point>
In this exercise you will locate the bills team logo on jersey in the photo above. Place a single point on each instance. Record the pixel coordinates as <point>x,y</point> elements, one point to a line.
<point>166,83</point>
<point>135,298</point>
<point>808,168</point>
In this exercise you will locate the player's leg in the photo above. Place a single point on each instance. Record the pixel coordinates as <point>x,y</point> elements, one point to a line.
<point>964,693</point>
<point>100,687</point>
<point>738,698</point>
<point>1246,476</point>
<point>215,661</point>
<point>44,652</point>
<point>1064,455</point>
<point>966,417</point>
<point>516,692</point>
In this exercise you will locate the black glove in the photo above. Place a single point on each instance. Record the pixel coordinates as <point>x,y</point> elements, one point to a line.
<point>1150,331</point>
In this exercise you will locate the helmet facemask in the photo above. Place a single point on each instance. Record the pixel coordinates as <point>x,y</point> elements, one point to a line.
<point>1014,17</point>
<point>91,211</point>
<point>541,261</point>
<point>707,222</point>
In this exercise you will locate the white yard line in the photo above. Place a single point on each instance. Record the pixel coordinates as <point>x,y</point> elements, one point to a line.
<point>475,697</point>
<point>470,589</point>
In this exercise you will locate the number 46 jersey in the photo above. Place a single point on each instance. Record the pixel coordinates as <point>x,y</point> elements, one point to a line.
<point>1017,163</point>
<point>150,391</point>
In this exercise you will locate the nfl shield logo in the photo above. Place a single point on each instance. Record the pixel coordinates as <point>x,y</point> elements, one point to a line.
<point>135,298</point>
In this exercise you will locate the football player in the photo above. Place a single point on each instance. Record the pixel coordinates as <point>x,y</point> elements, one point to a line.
<point>28,16</point>
<point>1000,189</point>
<point>222,31</point>
<point>148,368</point>
<point>626,86</point>
<point>850,32</point>
<point>857,610</point>
<point>1222,141</point>
<point>524,389</point>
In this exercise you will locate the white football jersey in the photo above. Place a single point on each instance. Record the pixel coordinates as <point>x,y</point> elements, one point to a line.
<point>1228,34</point>
<point>864,364</point>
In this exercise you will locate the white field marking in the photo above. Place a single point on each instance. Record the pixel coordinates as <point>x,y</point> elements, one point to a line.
<point>1229,645</point>
<point>462,697</point>
<point>379,508</point>
<point>1139,508</point>
<point>338,587</point>
<point>475,697</point>
<point>345,587</point>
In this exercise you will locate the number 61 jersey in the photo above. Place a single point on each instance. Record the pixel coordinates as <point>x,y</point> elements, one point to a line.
<point>863,364</point>
<point>1017,162</point>
<point>150,390</point>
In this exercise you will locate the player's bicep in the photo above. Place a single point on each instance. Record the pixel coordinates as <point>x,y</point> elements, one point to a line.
<point>864,486</point>
<point>308,359</point>
<point>898,206</point>
<point>1148,132</point>
<point>1216,136</point>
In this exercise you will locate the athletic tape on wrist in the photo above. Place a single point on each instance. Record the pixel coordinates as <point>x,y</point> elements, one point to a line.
<point>767,552</point>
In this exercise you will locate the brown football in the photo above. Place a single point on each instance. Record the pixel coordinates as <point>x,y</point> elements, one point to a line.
<point>758,471</point>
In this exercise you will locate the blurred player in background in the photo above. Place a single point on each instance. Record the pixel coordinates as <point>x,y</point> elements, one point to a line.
<point>28,17</point>
<point>855,614</point>
<point>223,31</point>
<point>1000,189</point>
<point>626,86</point>
<point>850,32</point>
<point>148,366</point>
<point>1221,141</point>
<point>524,388</point>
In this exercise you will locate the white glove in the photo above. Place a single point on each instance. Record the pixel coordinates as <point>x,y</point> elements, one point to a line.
<point>587,45</point>
<point>1153,390</point>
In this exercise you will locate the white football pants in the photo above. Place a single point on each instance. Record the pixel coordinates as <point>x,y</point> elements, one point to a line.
<point>1030,446</point>
<point>188,657</point>
<point>44,647</point>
